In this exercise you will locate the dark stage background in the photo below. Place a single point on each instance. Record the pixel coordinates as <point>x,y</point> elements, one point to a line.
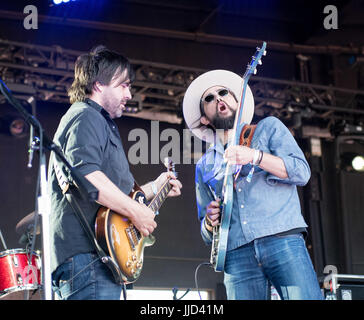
<point>314,63</point>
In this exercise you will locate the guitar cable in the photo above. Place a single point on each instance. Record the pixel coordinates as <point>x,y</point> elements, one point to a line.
<point>175,290</point>
<point>124,291</point>
<point>196,271</point>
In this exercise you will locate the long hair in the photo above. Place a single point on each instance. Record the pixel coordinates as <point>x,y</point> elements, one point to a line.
<point>99,65</point>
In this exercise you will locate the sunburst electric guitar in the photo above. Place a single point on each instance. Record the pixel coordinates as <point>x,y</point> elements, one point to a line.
<point>221,231</point>
<point>119,237</point>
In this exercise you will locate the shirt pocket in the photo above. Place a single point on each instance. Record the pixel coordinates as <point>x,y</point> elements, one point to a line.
<point>114,141</point>
<point>116,165</point>
<point>111,153</point>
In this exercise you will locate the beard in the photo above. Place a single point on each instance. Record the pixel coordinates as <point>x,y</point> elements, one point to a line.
<point>223,123</point>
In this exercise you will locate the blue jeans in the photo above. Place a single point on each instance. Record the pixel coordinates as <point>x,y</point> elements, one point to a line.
<point>85,277</point>
<point>279,260</point>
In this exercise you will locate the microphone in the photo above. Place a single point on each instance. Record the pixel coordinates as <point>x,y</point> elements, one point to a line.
<point>31,137</point>
<point>31,149</point>
<point>34,145</point>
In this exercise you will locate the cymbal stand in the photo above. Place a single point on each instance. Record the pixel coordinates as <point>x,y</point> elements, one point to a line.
<point>43,198</point>
<point>87,190</point>
<point>3,241</point>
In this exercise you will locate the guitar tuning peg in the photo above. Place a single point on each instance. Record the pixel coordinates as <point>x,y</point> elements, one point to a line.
<point>255,71</point>
<point>259,61</point>
<point>265,52</point>
<point>258,48</point>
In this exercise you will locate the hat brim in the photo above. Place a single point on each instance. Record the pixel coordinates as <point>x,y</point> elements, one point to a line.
<point>191,100</point>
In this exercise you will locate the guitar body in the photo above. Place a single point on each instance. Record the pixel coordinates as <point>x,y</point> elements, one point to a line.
<point>125,245</point>
<point>221,231</point>
<point>118,236</point>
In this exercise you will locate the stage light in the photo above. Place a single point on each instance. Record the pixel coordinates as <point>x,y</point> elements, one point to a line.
<point>14,126</point>
<point>57,2</point>
<point>352,162</point>
<point>18,127</point>
<point>358,163</point>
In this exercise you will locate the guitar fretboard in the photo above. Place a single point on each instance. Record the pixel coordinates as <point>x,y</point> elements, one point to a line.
<point>159,198</point>
<point>155,204</point>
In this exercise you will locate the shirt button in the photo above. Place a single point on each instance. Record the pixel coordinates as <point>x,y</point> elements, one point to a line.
<point>244,222</point>
<point>242,206</point>
<point>239,190</point>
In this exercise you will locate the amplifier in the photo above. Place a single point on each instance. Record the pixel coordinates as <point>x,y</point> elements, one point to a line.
<point>343,287</point>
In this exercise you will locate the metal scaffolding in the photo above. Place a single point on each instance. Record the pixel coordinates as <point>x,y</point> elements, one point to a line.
<point>47,72</point>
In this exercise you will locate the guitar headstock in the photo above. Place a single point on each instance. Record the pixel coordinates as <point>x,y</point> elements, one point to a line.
<point>169,164</point>
<point>256,59</point>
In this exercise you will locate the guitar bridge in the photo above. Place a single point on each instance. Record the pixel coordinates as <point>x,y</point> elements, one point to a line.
<point>133,236</point>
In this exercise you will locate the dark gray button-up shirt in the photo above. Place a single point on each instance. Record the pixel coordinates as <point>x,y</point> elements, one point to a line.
<point>90,141</point>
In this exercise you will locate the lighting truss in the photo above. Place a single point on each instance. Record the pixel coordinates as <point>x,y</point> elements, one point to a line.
<point>158,89</point>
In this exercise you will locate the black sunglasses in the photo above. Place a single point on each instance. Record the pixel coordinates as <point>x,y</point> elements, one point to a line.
<point>210,97</point>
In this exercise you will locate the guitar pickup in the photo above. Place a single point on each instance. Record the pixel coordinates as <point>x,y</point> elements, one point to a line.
<point>133,236</point>
<point>129,234</point>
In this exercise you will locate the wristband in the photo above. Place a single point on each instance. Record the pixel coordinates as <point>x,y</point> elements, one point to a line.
<point>260,157</point>
<point>255,157</point>
<point>208,225</point>
<point>208,222</point>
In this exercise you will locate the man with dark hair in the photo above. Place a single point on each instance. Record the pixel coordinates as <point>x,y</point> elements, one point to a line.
<point>91,143</point>
<point>265,243</point>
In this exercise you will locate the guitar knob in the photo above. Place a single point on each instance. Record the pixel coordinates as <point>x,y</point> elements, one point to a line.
<point>128,264</point>
<point>139,264</point>
<point>134,257</point>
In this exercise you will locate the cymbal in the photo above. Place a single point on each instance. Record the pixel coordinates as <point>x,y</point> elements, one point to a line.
<point>27,224</point>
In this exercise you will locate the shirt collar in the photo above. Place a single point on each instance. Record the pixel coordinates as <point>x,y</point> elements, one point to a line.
<point>94,104</point>
<point>218,146</point>
<point>97,107</point>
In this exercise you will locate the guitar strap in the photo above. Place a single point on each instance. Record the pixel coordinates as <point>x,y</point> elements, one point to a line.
<point>136,187</point>
<point>72,194</point>
<point>245,139</point>
<point>246,135</point>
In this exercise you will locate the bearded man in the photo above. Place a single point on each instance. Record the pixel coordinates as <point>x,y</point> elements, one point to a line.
<point>266,244</point>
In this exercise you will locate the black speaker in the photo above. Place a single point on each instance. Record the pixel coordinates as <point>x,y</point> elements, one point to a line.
<point>343,287</point>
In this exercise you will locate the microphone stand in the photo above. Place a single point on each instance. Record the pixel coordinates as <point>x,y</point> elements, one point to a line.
<point>86,189</point>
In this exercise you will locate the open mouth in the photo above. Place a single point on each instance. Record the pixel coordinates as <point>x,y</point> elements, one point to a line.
<point>222,108</point>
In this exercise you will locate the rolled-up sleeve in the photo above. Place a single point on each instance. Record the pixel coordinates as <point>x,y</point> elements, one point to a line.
<point>203,198</point>
<point>282,144</point>
<point>84,143</point>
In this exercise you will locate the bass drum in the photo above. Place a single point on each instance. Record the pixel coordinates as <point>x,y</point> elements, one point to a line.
<point>20,275</point>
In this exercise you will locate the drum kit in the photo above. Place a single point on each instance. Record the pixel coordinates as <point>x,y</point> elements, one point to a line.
<point>20,269</point>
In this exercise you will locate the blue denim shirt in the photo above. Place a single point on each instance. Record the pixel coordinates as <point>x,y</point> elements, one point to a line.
<point>267,205</point>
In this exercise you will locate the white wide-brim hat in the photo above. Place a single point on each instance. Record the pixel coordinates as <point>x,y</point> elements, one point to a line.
<point>192,98</point>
